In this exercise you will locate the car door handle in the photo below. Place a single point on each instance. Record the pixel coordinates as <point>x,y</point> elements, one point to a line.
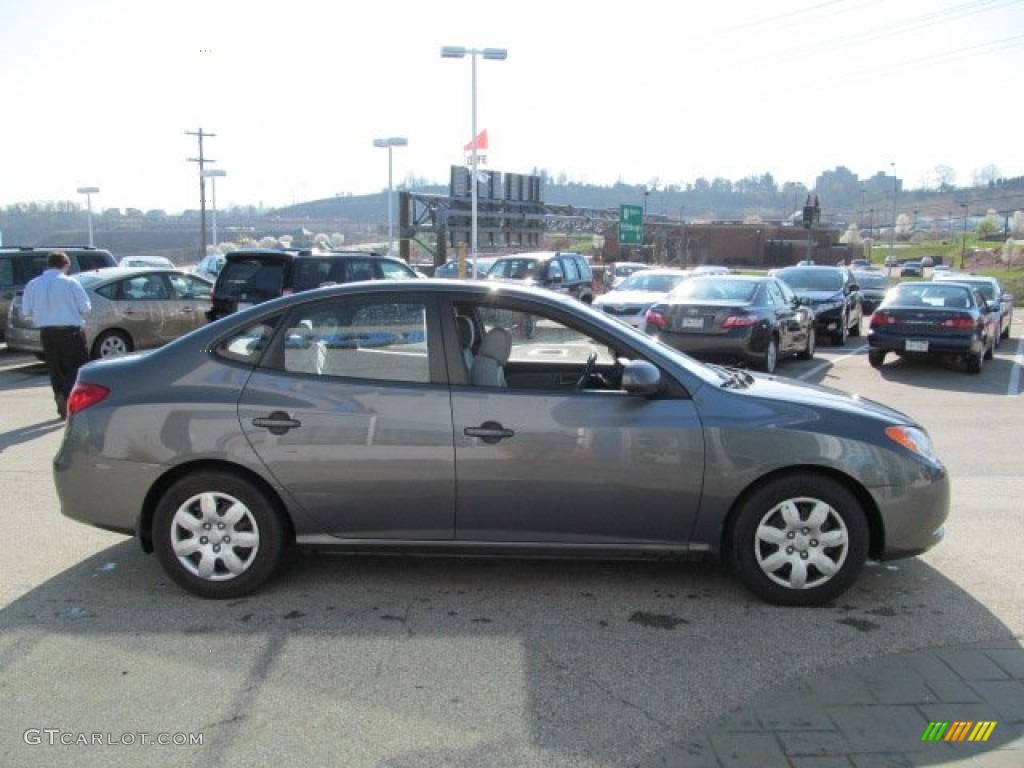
<point>277,422</point>
<point>490,432</point>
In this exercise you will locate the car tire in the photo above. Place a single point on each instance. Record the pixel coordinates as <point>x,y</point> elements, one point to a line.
<point>770,358</point>
<point>217,535</point>
<point>1006,333</point>
<point>112,344</point>
<point>855,328</point>
<point>807,353</point>
<point>799,540</point>
<point>876,357</point>
<point>990,349</point>
<point>974,362</point>
<point>840,336</point>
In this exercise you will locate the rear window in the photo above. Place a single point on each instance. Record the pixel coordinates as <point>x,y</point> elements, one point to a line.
<point>254,278</point>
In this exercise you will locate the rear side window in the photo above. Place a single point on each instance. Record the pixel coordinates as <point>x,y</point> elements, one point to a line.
<point>379,341</point>
<point>394,271</point>
<point>312,273</point>
<point>88,261</point>
<point>572,273</point>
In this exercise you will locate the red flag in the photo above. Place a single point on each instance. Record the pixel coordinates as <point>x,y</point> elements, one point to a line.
<point>480,142</point>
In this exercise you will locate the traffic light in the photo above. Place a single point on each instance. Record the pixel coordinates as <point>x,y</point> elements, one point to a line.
<point>808,216</point>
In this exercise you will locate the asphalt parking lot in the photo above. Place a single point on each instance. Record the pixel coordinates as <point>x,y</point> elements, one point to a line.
<point>378,661</point>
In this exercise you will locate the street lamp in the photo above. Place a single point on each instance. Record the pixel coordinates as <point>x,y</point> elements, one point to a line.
<point>494,54</point>
<point>89,192</point>
<point>390,143</point>
<point>213,174</point>
<point>892,234</point>
<point>963,248</point>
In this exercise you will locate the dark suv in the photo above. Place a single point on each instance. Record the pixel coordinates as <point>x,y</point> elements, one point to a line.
<point>20,264</point>
<point>561,271</point>
<point>253,276</point>
<point>832,293</point>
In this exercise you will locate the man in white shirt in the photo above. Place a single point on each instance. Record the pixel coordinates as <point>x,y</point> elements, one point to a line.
<point>57,304</point>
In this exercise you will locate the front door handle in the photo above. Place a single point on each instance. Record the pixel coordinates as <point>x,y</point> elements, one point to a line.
<point>277,422</point>
<point>490,432</point>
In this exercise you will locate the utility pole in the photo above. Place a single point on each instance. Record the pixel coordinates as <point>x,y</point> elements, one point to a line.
<point>202,160</point>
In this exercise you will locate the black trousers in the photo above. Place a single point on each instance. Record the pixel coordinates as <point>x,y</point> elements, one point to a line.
<point>65,350</point>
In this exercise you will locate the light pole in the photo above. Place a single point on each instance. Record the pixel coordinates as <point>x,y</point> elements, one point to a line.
<point>213,174</point>
<point>963,248</point>
<point>494,54</point>
<point>89,192</point>
<point>892,234</point>
<point>390,143</point>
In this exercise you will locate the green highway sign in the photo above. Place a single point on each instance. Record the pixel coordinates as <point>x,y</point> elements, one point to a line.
<point>631,225</point>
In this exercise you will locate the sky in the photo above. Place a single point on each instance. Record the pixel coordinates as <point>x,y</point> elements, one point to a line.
<point>103,93</point>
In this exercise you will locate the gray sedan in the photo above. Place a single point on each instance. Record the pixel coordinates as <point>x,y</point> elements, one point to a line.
<point>419,417</point>
<point>132,309</point>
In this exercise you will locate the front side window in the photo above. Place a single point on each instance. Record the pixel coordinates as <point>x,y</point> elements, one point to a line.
<point>187,287</point>
<point>247,345</point>
<point>384,341</point>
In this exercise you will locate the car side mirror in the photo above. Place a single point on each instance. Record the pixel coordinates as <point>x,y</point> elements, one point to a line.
<point>853,288</point>
<point>555,279</point>
<point>640,377</point>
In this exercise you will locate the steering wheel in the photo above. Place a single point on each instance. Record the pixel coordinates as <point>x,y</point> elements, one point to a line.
<point>588,369</point>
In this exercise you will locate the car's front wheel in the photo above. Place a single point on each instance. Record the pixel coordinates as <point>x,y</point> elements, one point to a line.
<point>842,332</point>
<point>217,535</point>
<point>807,353</point>
<point>799,540</point>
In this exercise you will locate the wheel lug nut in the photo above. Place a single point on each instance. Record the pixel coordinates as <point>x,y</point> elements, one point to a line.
<point>226,540</point>
<point>790,535</point>
<point>803,555</point>
<point>203,540</point>
<point>814,542</point>
<point>216,548</point>
<point>789,550</point>
<point>207,526</point>
<point>220,526</point>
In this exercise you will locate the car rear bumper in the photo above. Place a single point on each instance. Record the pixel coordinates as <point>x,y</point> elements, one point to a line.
<point>20,339</point>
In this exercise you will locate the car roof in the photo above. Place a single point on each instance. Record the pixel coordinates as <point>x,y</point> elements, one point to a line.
<point>114,273</point>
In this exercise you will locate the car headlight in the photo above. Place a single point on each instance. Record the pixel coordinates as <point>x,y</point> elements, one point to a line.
<point>914,440</point>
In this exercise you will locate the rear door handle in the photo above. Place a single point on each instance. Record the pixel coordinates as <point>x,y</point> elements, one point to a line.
<point>490,432</point>
<point>277,422</point>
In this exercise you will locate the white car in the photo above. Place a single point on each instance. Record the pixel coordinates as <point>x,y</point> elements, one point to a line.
<point>147,262</point>
<point>638,293</point>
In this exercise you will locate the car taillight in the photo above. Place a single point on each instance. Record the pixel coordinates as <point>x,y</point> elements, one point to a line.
<point>286,292</point>
<point>84,395</point>
<point>739,321</point>
<point>881,318</point>
<point>655,317</point>
<point>959,323</point>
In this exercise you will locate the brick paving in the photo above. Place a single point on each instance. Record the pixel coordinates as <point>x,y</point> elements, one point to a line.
<point>873,715</point>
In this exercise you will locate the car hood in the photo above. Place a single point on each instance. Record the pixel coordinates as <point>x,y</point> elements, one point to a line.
<point>819,296</point>
<point>816,397</point>
<point>630,297</point>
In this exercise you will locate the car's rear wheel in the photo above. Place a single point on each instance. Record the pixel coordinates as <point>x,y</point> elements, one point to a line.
<point>876,357</point>
<point>974,362</point>
<point>217,535</point>
<point>112,344</point>
<point>770,358</point>
<point>799,540</point>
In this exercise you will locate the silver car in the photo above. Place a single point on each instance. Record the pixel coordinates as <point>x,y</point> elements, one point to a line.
<point>638,293</point>
<point>427,417</point>
<point>132,308</point>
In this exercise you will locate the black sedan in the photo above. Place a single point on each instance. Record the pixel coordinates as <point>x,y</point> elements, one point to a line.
<point>922,319</point>
<point>756,319</point>
<point>873,287</point>
<point>833,295</point>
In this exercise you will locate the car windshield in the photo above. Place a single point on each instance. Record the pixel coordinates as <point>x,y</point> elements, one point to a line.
<point>711,289</point>
<point>654,282</point>
<point>983,287</point>
<point>871,280</point>
<point>813,279</point>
